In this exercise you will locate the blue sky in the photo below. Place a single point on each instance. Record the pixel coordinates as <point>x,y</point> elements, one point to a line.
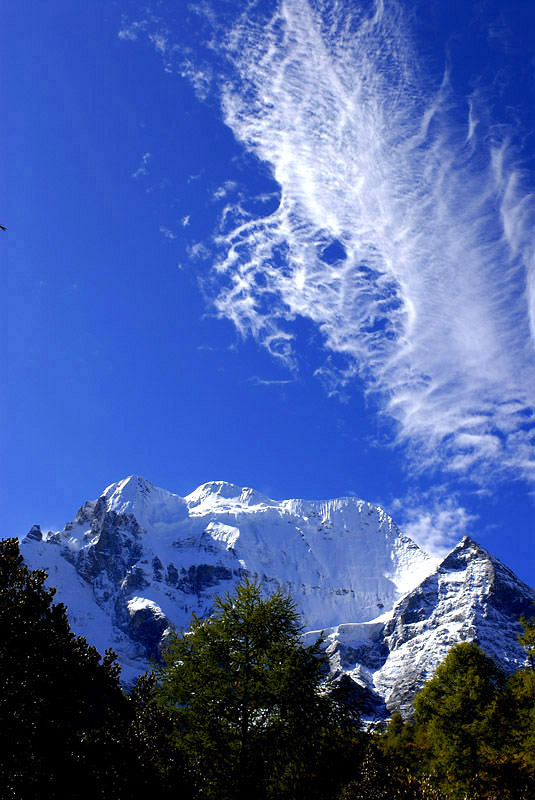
<point>284,244</point>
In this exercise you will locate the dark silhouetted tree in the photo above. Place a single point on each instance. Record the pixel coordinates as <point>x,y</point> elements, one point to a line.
<point>518,743</point>
<point>459,718</point>
<point>66,728</point>
<point>254,715</point>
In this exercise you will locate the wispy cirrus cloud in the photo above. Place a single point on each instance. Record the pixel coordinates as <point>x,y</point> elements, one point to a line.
<point>403,228</point>
<point>198,251</point>
<point>133,29</point>
<point>176,57</point>
<point>143,166</point>
<point>436,520</point>
<point>269,381</point>
<point>222,191</point>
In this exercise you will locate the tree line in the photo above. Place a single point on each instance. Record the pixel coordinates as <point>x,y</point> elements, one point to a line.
<point>241,709</point>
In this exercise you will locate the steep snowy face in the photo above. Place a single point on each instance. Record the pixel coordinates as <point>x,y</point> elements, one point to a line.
<point>151,558</point>
<point>470,597</point>
<point>339,559</point>
<point>149,505</point>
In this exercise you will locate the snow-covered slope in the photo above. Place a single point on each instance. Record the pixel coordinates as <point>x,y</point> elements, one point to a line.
<point>140,559</point>
<point>471,596</point>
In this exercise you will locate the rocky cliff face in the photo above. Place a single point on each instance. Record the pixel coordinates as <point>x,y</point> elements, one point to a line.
<point>470,596</point>
<point>139,560</point>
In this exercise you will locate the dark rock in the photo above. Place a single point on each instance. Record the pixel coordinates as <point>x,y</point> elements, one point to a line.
<point>200,576</point>
<point>370,654</point>
<point>35,533</point>
<point>172,575</point>
<point>134,580</point>
<point>157,568</point>
<point>147,626</point>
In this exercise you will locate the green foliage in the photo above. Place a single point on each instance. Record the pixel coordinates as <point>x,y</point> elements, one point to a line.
<point>473,734</point>
<point>242,709</point>
<point>380,776</point>
<point>159,769</point>
<point>527,639</point>
<point>459,718</point>
<point>252,712</point>
<point>397,743</point>
<point>518,751</point>
<point>66,728</point>
<point>54,690</point>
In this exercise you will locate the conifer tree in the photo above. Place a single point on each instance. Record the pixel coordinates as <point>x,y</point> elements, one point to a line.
<point>66,728</point>
<point>518,751</point>
<point>252,712</point>
<point>473,735</point>
<point>527,639</point>
<point>397,742</point>
<point>459,721</point>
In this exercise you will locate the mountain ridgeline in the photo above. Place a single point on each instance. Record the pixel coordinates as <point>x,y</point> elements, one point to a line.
<point>139,561</point>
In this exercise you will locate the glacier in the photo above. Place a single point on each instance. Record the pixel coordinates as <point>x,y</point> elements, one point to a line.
<point>139,561</point>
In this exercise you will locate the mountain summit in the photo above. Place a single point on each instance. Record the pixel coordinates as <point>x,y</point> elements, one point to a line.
<point>140,559</point>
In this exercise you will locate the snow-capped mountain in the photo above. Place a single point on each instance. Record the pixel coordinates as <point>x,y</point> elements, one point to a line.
<point>470,596</point>
<point>140,559</point>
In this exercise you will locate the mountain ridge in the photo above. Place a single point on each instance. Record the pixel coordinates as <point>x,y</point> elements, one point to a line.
<point>140,560</point>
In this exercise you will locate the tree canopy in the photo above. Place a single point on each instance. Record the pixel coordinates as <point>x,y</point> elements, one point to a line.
<point>473,733</point>
<point>66,727</point>
<point>458,716</point>
<point>253,709</point>
<point>527,639</point>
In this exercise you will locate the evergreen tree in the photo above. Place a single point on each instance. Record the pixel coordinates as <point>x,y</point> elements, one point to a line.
<point>389,769</point>
<point>253,714</point>
<point>66,728</point>
<point>381,777</point>
<point>527,639</point>
<point>473,735</point>
<point>159,769</point>
<point>459,722</point>
<point>397,742</point>
<point>518,749</point>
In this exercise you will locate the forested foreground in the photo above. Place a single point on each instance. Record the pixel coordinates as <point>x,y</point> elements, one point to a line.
<point>242,709</point>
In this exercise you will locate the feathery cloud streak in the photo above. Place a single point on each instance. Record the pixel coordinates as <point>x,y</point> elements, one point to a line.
<point>403,229</point>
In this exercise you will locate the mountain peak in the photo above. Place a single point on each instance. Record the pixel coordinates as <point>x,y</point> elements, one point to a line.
<point>217,492</point>
<point>468,551</point>
<point>128,488</point>
<point>464,549</point>
<point>149,504</point>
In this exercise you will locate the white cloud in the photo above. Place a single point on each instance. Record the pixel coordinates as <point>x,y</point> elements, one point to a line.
<point>196,177</point>
<point>200,79</point>
<point>167,233</point>
<point>142,169</point>
<point>175,57</point>
<point>403,230</point>
<point>437,523</point>
<point>199,251</point>
<point>405,234</point>
<point>269,382</point>
<point>132,30</point>
<point>159,40</point>
<point>222,191</point>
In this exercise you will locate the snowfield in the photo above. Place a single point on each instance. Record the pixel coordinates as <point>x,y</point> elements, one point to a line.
<point>140,559</point>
